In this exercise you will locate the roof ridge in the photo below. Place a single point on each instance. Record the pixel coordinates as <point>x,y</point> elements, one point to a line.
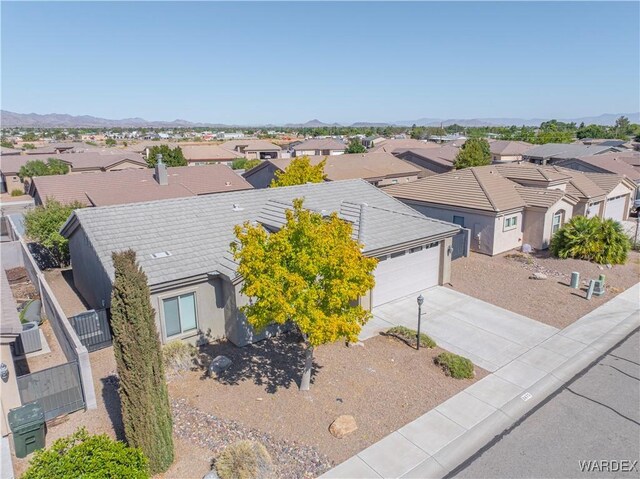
<point>484,190</point>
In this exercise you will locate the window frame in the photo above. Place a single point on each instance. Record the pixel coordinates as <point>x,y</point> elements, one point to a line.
<point>510,223</point>
<point>183,333</point>
<point>559,215</point>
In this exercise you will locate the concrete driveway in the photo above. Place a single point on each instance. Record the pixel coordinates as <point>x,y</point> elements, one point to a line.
<point>489,336</point>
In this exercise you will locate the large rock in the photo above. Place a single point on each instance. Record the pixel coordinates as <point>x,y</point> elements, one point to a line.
<point>342,426</point>
<point>538,276</point>
<point>219,364</point>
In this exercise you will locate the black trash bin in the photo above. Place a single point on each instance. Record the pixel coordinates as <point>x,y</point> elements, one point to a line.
<point>27,425</point>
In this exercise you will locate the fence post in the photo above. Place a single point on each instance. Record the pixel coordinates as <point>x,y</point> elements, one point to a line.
<point>86,376</point>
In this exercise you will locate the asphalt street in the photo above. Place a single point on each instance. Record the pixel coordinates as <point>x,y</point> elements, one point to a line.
<point>595,417</point>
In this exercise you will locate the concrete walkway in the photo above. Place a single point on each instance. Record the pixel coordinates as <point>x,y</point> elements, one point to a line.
<point>490,336</point>
<point>440,440</point>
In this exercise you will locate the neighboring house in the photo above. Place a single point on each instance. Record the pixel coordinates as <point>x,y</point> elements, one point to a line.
<point>551,153</point>
<point>396,145</point>
<point>254,149</point>
<point>4,151</point>
<point>372,141</point>
<point>209,154</point>
<point>625,163</point>
<point>133,186</point>
<point>229,136</point>
<point>506,206</point>
<point>58,148</point>
<point>183,247</point>
<point>431,160</point>
<point>10,328</point>
<point>318,147</point>
<point>379,169</point>
<point>506,151</point>
<point>78,163</point>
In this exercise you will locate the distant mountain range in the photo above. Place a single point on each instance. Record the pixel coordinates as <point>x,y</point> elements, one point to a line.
<point>10,119</point>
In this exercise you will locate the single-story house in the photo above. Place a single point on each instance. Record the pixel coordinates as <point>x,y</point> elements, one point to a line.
<point>507,206</point>
<point>551,153</point>
<point>208,154</point>
<point>183,247</point>
<point>431,161</point>
<point>394,145</point>
<point>133,186</point>
<point>319,147</point>
<point>505,151</point>
<point>254,149</point>
<point>4,151</point>
<point>379,169</point>
<point>78,163</point>
<point>625,163</point>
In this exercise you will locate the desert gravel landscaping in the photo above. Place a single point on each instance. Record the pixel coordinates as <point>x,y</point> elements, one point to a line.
<point>504,280</point>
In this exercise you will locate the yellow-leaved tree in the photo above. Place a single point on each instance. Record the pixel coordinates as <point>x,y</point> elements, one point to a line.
<point>299,172</point>
<point>310,273</point>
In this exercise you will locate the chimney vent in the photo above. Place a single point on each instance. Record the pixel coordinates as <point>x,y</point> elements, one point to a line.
<point>161,171</point>
<point>237,207</point>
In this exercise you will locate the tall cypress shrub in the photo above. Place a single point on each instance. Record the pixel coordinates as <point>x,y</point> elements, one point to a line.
<point>144,398</point>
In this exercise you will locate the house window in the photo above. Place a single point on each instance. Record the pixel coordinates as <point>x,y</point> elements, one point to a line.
<point>459,220</point>
<point>179,314</point>
<point>510,223</point>
<point>556,223</point>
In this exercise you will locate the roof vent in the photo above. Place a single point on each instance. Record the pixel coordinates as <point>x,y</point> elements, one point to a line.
<point>161,254</point>
<point>237,207</point>
<point>227,183</point>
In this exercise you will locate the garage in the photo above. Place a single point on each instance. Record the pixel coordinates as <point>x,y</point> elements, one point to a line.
<point>615,209</point>
<point>401,274</point>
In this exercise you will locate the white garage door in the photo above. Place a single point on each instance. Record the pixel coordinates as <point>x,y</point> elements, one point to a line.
<point>406,274</point>
<point>615,208</point>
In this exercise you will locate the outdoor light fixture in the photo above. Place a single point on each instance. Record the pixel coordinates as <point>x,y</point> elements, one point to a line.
<point>4,372</point>
<point>420,301</point>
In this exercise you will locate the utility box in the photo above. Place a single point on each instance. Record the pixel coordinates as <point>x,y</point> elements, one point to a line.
<point>28,427</point>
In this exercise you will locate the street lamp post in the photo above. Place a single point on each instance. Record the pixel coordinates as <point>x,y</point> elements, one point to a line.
<point>420,300</point>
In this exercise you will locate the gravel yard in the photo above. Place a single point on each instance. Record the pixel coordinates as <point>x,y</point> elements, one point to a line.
<point>504,280</point>
<point>382,382</point>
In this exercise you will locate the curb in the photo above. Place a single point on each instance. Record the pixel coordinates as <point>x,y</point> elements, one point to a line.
<point>455,455</point>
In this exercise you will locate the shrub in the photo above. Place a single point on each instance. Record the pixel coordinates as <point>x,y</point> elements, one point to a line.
<point>591,239</point>
<point>84,455</point>
<point>244,460</point>
<point>178,356</point>
<point>17,192</point>
<point>408,335</point>
<point>455,366</point>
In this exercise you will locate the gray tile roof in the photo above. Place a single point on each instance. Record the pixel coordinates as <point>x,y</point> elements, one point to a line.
<point>562,150</point>
<point>198,231</point>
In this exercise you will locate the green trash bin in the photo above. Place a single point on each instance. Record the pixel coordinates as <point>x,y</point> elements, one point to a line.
<point>27,425</point>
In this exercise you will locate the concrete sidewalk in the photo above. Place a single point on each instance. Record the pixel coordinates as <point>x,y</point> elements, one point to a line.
<point>440,440</point>
<point>488,335</point>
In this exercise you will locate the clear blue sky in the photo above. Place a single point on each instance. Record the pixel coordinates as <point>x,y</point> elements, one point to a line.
<point>254,63</point>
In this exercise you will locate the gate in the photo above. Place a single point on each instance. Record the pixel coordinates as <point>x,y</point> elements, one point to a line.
<point>93,329</point>
<point>460,244</point>
<point>57,389</point>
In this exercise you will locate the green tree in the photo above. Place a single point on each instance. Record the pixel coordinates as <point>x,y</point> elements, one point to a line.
<point>34,168</point>
<point>623,128</point>
<point>110,142</point>
<point>7,144</point>
<point>43,223</point>
<point>30,136</point>
<point>244,163</point>
<point>591,239</point>
<point>355,146</point>
<point>144,399</point>
<point>88,456</point>
<point>299,172</point>
<point>28,146</point>
<point>310,273</point>
<point>591,131</point>
<point>170,156</point>
<point>474,152</point>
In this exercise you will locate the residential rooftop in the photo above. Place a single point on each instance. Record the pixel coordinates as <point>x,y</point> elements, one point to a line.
<point>137,185</point>
<point>196,232</point>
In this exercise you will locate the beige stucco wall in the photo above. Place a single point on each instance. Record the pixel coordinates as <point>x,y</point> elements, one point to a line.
<point>209,310</point>
<point>538,223</point>
<point>505,240</point>
<point>445,261</point>
<point>13,183</point>
<point>125,166</point>
<point>505,158</point>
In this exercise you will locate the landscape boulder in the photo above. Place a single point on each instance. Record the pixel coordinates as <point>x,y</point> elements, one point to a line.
<point>219,364</point>
<point>342,426</point>
<point>539,276</point>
